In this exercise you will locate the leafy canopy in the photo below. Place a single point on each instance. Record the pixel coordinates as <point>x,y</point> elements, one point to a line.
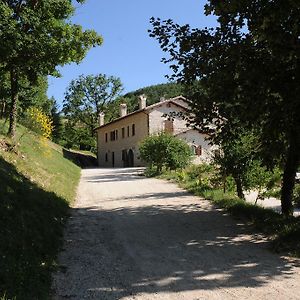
<point>85,98</point>
<point>243,73</point>
<point>89,95</point>
<point>39,38</point>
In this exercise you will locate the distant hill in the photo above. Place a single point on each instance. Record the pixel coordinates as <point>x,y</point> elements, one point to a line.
<point>37,185</point>
<point>153,93</point>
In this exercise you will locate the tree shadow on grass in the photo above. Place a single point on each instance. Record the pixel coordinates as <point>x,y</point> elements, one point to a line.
<point>31,225</point>
<point>168,248</point>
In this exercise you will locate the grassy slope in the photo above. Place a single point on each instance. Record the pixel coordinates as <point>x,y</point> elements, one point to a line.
<point>36,186</point>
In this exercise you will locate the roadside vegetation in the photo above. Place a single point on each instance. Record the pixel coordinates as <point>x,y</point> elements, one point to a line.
<point>242,76</point>
<point>206,181</point>
<point>37,185</point>
<point>163,150</point>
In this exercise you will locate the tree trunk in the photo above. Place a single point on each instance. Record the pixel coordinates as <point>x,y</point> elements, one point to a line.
<point>290,169</point>
<point>14,104</point>
<point>239,187</point>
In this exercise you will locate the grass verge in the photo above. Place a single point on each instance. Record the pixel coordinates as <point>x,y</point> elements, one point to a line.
<point>283,232</point>
<point>37,185</point>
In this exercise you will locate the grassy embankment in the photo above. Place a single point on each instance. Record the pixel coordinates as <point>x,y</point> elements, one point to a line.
<point>203,181</point>
<point>36,187</point>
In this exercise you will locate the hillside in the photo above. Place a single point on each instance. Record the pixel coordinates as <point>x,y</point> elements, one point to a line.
<point>37,185</point>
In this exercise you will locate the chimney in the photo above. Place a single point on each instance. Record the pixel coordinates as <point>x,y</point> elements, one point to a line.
<point>101,119</point>
<point>162,99</point>
<point>123,109</point>
<point>142,101</point>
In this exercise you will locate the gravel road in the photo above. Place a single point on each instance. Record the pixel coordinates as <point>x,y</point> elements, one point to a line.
<point>130,237</point>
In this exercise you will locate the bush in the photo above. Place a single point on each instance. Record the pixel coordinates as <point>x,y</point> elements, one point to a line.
<point>36,120</point>
<point>165,150</point>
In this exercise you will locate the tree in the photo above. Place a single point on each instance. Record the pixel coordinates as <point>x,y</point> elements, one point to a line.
<point>165,150</point>
<point>235,158</point>
<point>238,157</point>
<point>29,94</point>
<point>38,38</point>
<point>57,132</point>
<point>87,96</point>
<point>244,73</point>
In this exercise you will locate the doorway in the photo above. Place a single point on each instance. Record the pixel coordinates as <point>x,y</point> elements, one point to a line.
<point>130,158</point>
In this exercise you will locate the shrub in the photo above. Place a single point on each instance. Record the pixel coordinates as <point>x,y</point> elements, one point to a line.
<point>164,150</point>
<point>37,121</point>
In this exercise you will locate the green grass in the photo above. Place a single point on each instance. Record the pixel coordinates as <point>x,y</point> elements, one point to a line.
<point>37,185</point>
<point>283,232</point>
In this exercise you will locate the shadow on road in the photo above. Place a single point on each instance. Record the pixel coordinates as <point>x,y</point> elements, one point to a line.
<point>117,175</point>
<point>170,248</point>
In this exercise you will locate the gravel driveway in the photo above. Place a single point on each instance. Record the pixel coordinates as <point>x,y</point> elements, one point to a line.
<point>130,237</point>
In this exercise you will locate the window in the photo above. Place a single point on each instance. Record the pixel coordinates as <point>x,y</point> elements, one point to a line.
<point>106,137</point>
<point>133,129</point>
<point>106,157</point>
<point>112,135</point>
<point>128,133</point>
<point>169,126</point>
<point>124,154</point>
<point>123,133</point>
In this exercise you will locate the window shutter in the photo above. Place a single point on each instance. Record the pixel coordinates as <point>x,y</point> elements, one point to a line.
<point>169,126</point>
<point>199,150</point>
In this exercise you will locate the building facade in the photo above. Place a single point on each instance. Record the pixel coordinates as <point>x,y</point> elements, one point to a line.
<point>118,141</point>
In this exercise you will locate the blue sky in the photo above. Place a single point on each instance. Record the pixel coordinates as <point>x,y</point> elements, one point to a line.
<point>127,52</point>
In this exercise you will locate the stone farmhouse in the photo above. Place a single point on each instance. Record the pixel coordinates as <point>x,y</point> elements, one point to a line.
<point>118,141</point>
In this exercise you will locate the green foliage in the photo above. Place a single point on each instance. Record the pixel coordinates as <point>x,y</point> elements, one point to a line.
<point>39,38</point>
<point>57,122</point>
<point>86,97</point>
<point>165,150</point>
<point>154,93</point>
<point>244,73</point>
<point>238,158</point>
<point>78,136</point>
<point>30,94</point>
<point>35,193</point>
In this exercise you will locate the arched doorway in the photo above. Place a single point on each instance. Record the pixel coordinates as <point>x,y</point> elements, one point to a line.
<point>130,158</point>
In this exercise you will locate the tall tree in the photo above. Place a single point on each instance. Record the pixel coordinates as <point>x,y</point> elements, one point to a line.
<point>87,96</point>
<point>38,38</point>
<point>244,72</point>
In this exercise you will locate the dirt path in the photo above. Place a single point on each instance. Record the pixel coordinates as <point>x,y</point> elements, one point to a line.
<point>135,238</point>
